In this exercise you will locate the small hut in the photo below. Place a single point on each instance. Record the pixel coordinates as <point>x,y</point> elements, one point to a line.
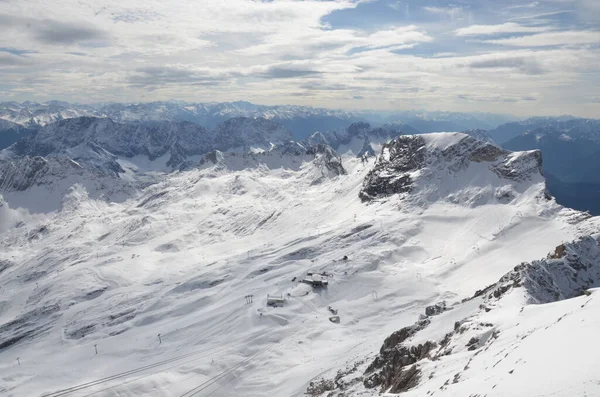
<point>275,300</point>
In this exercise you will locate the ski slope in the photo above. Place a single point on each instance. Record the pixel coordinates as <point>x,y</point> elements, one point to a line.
<point>180,258</point>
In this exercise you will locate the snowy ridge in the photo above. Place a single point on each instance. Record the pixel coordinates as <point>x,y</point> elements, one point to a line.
<point>453,167</point>
<point>320,160</point>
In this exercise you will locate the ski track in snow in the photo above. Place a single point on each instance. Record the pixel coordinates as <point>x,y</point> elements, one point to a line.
<point>179,260</point>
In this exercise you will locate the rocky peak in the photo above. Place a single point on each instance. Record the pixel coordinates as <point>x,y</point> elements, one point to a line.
<point>359,138</point>
<point>442,165</point>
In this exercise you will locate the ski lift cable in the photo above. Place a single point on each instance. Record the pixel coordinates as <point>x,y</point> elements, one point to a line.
<point>120,375</point>
<point>155,372</point>
<point>214,379</point>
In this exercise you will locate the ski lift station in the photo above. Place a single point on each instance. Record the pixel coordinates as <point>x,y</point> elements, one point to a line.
<point>316,280</point>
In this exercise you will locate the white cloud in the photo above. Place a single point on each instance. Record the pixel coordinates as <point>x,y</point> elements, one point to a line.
<point>551,39</point>
<point>283,52</point>
<point>508,27</point>
<point>452,11</point>
<point>521,6</point>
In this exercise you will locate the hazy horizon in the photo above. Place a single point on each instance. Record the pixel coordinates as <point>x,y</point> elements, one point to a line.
<point>512,57</point>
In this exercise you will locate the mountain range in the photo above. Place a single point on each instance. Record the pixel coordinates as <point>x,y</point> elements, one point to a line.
<point>162,257</point>
<point>302,121</point>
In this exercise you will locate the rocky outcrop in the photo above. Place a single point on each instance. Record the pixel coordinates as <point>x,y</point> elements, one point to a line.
<point>436,309</point>
<point>391,173</point>
<point>394,369</point>
<point>567,272</point>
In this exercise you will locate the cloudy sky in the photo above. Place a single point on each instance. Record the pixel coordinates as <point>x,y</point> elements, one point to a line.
<point>505,56</point>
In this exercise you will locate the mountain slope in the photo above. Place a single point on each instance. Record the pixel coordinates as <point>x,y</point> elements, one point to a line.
<point>183,258</point>
<point>495,343</point>
<point>11,132</point>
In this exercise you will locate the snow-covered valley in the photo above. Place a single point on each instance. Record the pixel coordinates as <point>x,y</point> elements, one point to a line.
<point>164,292</point>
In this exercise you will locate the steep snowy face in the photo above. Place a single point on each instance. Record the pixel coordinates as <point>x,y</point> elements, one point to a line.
<point>453,167</point>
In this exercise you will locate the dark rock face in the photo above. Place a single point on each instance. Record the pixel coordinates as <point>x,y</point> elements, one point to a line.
<point>394,368</point>
<point>436,309</point>
<point>402,155</point>
<point>486,153</point>
<point>319,387</point>
<point>521,168</point>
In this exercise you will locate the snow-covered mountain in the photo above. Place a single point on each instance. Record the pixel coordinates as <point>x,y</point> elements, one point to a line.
<point>505,132</point>
<point>117,156</point>
<point>452,166</point>
<point>360,139</point>
<point>302,121</point>
<point>32,114</point>
<point>571,150</point>
<point>165,293</point>
<point>154,139</point>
